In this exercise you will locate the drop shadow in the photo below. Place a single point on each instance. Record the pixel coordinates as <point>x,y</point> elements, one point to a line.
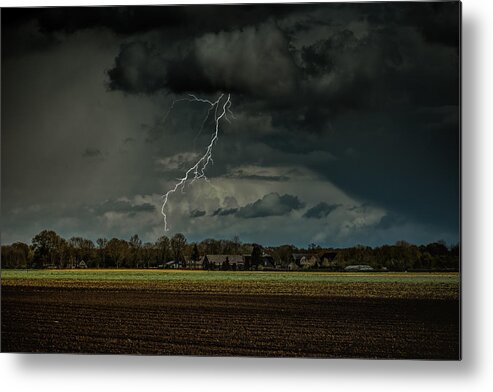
<point>470,179</point>
<point>203,366</point>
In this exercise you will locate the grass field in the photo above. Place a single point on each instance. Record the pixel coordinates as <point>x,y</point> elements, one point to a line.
<point>189,275</point>
<point>314,314</point>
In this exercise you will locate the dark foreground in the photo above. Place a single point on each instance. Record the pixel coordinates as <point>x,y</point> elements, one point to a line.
<point>127,321</point>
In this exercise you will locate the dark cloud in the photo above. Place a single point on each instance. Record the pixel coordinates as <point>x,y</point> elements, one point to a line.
<point>196,213</point>
<point>257,63</point>
<point>224,211</point>
<point>91,152</point>
<point>122,20</point>
<point>439,24</point>
<point>262,178</point>
<point>321,210</point>
<point>139,68</point>
<point>256,174</point>
<point>271,204</point>
<point>131,20</point>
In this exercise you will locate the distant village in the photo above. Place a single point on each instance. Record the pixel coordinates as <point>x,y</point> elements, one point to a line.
<point>264,262</point>
<point>49,250</point>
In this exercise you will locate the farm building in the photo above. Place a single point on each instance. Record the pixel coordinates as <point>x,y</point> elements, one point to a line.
<point>217,261</point>
<point>356,268</point>
<point>82,264</point>
<point>193,264</point>
<point>328,260</point>
<point>267,261</point>
<point>173,264</point>
<point>305,260</point>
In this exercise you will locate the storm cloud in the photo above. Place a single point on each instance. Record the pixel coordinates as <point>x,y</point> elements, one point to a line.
<point>138,69</point>
<point>225,211</point>
<point>197,213</point>
<point>321,210</point>
<point>272,204</point>
<point>345,127</point>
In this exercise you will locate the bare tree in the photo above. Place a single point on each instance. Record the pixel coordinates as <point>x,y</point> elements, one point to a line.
<point>178,243</point>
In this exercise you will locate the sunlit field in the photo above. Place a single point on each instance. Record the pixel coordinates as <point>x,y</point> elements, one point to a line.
<point>191,275</point>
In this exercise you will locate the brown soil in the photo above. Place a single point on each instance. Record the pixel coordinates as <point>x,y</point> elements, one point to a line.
<point>130,321</point>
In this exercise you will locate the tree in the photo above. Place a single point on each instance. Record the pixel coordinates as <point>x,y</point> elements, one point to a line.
<point>46,245</point>
<point>206,265</point>
<point>102,242</point>
<point>178,243</point>
<point>256,256</point>
<point>163,246</point>
<point>210,246</point>
<point>75,244</point>
<point>225,265</point>
<point>236,245</point>
<point>117,250</point>
<point>15,255</point>
<point>148,250</point>
<point>195,255</point>
<point>247,264</point>
<point>63,253</point>
<point>22,251</point>
<point>80,249</point>
<point>135,250</point>
<point>87,251</point>
<point>284,254</point>
<point>312,247</point>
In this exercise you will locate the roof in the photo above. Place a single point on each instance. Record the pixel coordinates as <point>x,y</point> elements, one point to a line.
<point>298,256</point>
<point>249,255</point>
<point>221,258</point>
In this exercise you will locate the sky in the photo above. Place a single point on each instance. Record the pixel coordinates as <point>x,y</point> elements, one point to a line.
<point>346,125</point>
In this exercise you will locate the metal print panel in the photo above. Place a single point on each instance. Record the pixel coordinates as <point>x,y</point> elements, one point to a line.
<point>232,180</point>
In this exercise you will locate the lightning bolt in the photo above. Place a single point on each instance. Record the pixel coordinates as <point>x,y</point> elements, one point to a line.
<point>221,108</point>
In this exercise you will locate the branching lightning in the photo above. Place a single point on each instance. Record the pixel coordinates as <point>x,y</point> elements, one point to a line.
<point>221,109</point>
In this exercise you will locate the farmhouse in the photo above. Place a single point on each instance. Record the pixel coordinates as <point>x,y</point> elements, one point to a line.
<point>306,260</point>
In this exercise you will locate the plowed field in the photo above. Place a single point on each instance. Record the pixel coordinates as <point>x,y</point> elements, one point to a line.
<point>381,319</point>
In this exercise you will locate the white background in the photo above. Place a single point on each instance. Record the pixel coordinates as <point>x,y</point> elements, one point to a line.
<point>473,373</point>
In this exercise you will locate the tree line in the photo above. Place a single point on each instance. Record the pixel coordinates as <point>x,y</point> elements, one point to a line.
<point>50,250</point>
